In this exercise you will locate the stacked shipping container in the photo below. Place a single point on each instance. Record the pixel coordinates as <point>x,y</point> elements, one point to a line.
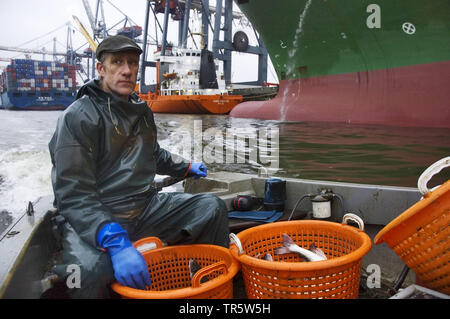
<point>29,75</point>
<point>38,84</point>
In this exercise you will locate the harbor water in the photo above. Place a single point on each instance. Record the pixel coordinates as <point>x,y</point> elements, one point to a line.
<point>319,151</point>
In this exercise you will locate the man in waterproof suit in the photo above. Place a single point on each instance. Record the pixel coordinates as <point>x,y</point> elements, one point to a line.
<point>105,156</point>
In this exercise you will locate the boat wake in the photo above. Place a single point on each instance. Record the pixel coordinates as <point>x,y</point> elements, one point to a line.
<point>25,177</point>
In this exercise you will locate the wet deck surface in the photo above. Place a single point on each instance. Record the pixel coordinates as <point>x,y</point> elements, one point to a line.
<point>5,220</point>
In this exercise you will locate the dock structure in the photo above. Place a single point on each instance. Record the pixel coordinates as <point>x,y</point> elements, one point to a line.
<point>216,20</point>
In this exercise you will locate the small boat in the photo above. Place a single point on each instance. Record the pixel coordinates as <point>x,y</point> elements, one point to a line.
<point>30,240</point>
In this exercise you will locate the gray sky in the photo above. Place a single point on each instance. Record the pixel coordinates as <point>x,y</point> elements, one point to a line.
<point>24,20</point>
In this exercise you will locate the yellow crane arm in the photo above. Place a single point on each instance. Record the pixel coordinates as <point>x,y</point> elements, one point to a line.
<point>86,34</point>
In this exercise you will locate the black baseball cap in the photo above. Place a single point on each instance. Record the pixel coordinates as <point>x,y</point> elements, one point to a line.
<point>117,43</point>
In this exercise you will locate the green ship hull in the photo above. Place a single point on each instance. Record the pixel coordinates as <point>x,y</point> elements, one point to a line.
<point>356,61</point>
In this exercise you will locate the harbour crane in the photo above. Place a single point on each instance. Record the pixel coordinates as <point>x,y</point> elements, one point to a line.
<point>86,34</point>
<point>98,25</point>
<point>31,51</point>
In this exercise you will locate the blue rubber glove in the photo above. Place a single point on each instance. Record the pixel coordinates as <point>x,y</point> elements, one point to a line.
<point>130,268</point>
<point>198,170</point>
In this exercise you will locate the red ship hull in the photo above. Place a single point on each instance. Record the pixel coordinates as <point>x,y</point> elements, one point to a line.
<point>410,96</point>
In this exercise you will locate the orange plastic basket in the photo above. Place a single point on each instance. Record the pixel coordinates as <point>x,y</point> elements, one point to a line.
<point>169,271</point>
<point>420,237</point>
<point>287,276</point>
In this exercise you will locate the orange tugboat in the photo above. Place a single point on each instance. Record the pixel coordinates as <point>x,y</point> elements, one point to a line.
<point>187,82</point>
<point>192,104</point>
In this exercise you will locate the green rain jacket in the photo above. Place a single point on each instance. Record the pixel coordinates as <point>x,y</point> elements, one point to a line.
<point>105,156</point>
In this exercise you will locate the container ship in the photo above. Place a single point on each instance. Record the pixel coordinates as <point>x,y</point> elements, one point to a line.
<point>355,61</point>
<point>37,85</point>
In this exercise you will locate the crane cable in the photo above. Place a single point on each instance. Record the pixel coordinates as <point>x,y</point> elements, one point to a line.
<point>37,38</point>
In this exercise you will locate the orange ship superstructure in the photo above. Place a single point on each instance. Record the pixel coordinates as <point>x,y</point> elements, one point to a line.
<point>189,81</point>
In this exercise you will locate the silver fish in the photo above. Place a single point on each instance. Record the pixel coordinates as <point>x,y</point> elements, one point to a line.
<point>317,251</point>
<point>268,257</point>
<point>289,246</point>
<point>194,266</point>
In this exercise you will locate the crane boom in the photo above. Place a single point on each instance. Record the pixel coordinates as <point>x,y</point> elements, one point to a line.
<point>86,34</point>
<point>197,4</point>
<point>31,51</point>
<point>87,7</point>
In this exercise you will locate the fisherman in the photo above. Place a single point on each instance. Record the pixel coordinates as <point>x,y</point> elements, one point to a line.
<point>105,155</point>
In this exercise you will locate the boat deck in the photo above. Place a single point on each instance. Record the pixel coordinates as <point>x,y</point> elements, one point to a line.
<point>30,240</point>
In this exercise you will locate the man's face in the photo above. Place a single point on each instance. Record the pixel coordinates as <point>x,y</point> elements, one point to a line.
<point>119,72</point>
